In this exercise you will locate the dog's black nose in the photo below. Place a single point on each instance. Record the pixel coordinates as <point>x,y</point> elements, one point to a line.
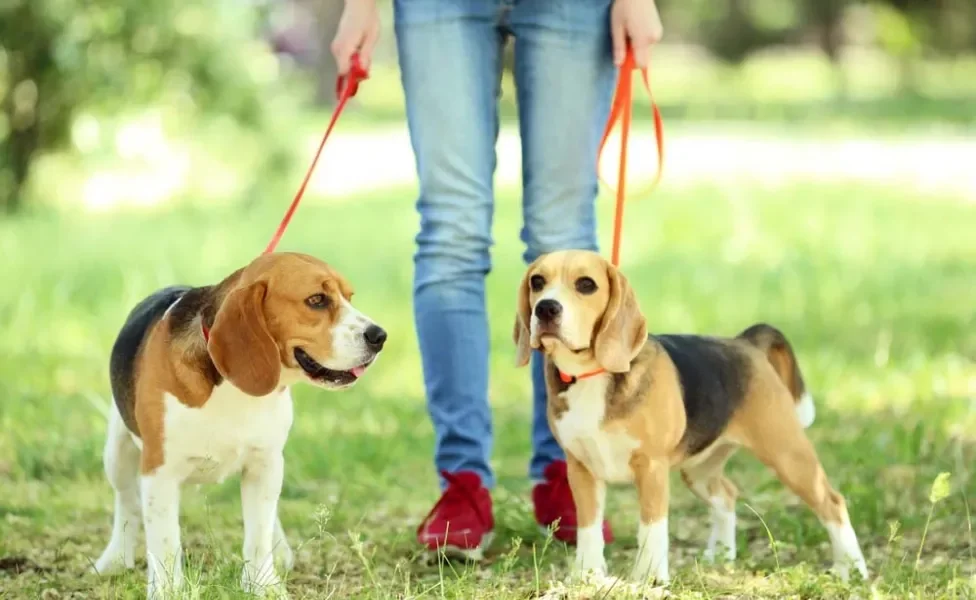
<point>375,337</point>
<point>547,310</point>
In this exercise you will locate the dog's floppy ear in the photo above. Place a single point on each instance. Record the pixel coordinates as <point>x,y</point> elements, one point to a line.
<point>522,332</point>
<point>240,344</point>
<point>622,331</point>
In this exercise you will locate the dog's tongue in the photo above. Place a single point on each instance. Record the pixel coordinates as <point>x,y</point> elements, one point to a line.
<point>358,371</point>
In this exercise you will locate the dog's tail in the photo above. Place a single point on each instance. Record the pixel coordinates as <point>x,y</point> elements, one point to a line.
<point>778,351</point>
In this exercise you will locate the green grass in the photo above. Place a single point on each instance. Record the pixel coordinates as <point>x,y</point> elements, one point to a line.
<point>876,288</point>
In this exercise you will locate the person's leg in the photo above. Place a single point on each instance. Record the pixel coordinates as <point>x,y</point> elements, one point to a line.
<point>450,60</point>
<point>565,77</point>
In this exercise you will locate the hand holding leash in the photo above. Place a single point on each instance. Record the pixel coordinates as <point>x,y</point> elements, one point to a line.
<point>638,23</point>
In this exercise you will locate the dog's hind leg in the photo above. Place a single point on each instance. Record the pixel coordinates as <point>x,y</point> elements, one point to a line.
<point>121,460</point>
<point>778,440</point>
<point>705,479</point>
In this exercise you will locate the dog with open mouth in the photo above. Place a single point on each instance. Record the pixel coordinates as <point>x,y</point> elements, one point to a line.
<point>628,407</point>
<point>201,379</point>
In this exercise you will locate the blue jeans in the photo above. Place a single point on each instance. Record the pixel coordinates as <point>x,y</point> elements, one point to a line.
<point>450,55</point>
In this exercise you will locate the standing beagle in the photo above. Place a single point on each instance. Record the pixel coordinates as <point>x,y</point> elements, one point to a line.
<point>200,378</point>
<point>628,407</point>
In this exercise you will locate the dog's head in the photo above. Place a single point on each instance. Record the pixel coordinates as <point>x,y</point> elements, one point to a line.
<point>578,309</point>
<point>288,317</point>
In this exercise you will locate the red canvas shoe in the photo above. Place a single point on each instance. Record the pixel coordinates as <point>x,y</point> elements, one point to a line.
<point>553,500</point>
<point>461,523</point>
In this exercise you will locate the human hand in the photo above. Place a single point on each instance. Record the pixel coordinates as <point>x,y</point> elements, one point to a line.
<point>637,22</point>
<point>359,28</point>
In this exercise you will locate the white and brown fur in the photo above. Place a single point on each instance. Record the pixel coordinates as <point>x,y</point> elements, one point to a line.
<point>192,410</point>
<point>643,405</point>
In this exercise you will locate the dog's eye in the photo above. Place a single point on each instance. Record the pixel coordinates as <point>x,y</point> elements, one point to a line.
<point>318,301</point>
<point>537,282</point>
<point>585,285</point>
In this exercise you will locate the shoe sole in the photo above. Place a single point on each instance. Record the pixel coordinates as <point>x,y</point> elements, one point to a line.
<point>468,554</point>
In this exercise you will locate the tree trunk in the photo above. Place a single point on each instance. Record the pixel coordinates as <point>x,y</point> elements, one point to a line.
<point>327,15</point>
<point>17,152</point>
<point>828,16</point>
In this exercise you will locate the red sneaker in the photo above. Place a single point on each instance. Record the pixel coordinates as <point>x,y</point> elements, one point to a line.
<point>553,500</point>
<point>461,523</point>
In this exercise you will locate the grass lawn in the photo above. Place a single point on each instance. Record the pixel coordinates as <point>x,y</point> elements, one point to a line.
<point>876,288</point>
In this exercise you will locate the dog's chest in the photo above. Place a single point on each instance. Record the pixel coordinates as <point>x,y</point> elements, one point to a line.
<point>219,439</point>
<point>606,450</point>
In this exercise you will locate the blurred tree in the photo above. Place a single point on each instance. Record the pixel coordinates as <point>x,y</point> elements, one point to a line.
<point>60,56</point>
<point>827,18</point>
<point>908,29</point>
<point>733,29</point>
<point>328,13</point>
<point>303,31</point>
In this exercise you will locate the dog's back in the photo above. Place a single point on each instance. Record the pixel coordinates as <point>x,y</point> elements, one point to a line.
<point>714,377</point>
<point>714,374</point>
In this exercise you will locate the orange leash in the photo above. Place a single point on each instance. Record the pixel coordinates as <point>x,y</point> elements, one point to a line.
<point>346,87</point>
<point>621,110</point>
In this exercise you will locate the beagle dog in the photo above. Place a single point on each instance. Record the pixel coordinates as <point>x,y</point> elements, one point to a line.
<point>200,378</point>
<point>629,407</point>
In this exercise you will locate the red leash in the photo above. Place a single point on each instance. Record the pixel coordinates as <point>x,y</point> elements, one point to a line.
<point>346,87</point>
<point>621,110</point>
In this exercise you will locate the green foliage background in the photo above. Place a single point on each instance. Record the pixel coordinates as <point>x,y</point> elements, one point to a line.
<point>193,60</point>
<point>73,71</point>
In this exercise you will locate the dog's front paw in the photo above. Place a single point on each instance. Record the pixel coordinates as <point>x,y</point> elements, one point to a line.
<point>842,568</point>
<point>112,562</point>
<point>589,551</point>
<point>587,564</point>
<point>263,585</point>
<point>644,574</point>
<point>283,556</point>
<point>651,569</point>
<point>160,590</point>
<point>274,591</point>
<point>164,583</point>
<point>718,552</point>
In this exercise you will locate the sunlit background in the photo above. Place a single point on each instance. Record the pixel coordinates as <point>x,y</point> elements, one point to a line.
<point>820,174</point>
<point>109,104</point>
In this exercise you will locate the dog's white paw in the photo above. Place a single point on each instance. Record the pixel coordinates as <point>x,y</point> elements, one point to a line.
<point>271,591</point>
<point>263,585</point>
<point>157,590</point>
<point>842,568</point>
<point>283,556</point>
<point>717,552</point>
<point>644,574</point>
<point>590,571</point>
<point>112,562</point>
<point>589,564</point>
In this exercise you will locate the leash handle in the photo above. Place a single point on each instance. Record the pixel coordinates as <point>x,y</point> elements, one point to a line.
<point>346,87</point>
<point>622,110</point>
